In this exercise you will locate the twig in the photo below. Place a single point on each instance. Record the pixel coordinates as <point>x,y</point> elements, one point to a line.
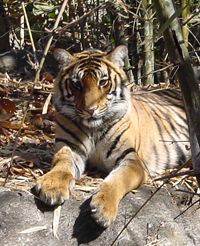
<point>156,71</point>
<point>189,173</point>
<point>187,208</point>
<point>31,37</point>
<point>28,26</point>
<point>191,17</point>
<point>189,192</point>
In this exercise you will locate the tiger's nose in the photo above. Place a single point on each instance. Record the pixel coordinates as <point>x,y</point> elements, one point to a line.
<point>90,110</point>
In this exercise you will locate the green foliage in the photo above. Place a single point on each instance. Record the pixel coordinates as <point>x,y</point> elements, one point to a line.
<point>43,8</point>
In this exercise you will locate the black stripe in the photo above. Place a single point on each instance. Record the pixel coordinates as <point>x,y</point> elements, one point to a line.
<point>114,81</point>
<point>180,152</point>
<point>123,155</point>
<point>177,148</point>
<point>116,85</point>
<point>60,87</point>
<point>95,59</point>
<point>113,93</point>
<point>161,107</point>
<point>67,88</point>
<point>109,127</point>
<point>73,146</point>
<point>82,57</point>
<point>122,96</point>
<point>172,93</point>
<point>160,132</point>
<point>109,72</point>
<point>181,159</point>
<point>82,65</point>
<point>95,63</point>
<point>107,130</point>
<point>79,127</point>
<point>77,172</point>
<point>58,107</point>
<point>157,123</point>
<point>156,156</point>
<point>72,134</point>
<point>115,142</point>
<point>92,62</point>
<point>175,125</point>
<point>70,119</point>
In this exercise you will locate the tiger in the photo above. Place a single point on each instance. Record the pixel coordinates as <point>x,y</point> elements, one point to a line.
<point>101,124</point>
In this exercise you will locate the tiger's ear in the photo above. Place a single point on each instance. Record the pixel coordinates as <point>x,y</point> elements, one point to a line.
<point>117,55</point>
<point>63,57</point>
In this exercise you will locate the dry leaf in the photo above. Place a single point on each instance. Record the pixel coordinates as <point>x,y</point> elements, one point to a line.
<point>56,217</point>
<point>37,120</point>
<point>85,188</point>
<point>47,76</point>
<point>34,229</point>
<point>4,117</point>
<point>7,106</point>
<point>15,125</point>
<point>6,124</point>
<point>3,91</point>
<point>45,108</point>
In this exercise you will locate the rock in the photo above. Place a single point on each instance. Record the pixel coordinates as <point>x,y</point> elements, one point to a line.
<point>153,225</point>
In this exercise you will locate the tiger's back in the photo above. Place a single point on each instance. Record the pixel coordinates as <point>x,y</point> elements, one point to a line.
<point>99,123</point>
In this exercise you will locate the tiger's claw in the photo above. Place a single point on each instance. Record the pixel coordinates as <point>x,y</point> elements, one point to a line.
<point>103,209</point>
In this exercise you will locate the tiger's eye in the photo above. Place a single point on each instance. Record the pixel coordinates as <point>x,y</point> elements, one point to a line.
<point>103,83</point>
<point>77,84</point>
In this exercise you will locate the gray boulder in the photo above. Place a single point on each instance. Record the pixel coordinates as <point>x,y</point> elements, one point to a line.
<point>153,225</point>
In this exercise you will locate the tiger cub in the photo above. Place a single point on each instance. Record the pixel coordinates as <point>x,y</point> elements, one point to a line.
<point>99,123</point>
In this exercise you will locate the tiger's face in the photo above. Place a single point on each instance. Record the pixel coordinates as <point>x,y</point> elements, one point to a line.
<point>91,85</point>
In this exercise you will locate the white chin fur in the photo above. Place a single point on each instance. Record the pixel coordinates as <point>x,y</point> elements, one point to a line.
<point>92,123</point>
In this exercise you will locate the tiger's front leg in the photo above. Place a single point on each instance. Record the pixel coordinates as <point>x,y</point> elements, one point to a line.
<point>105,201</point>
<point>54,186</point>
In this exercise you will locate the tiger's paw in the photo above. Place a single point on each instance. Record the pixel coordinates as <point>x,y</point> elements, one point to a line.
<point>53,187</point>
<point>103,209</point>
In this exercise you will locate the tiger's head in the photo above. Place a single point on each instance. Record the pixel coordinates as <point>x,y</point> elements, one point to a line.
<point>91,86</point>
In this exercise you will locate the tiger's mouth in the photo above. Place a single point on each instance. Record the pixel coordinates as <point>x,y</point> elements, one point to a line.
<point>92,120</point>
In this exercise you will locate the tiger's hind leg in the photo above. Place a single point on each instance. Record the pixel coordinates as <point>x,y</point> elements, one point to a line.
<point>54,186</point>
<point>105,201</point>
